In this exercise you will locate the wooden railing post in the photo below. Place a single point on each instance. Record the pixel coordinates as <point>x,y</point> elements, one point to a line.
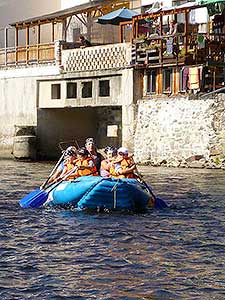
<point>16,45</point>
<point>186,33</point>
<point>38,40</point>
<point>53,32</point>
<point>27,44</point>
<point>6,44</point>
<point>161,41</point>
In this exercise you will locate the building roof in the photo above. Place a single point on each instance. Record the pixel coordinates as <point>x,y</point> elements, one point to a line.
<point>58,16</point>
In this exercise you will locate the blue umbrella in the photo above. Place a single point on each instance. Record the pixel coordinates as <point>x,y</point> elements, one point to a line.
<point>117,16</point>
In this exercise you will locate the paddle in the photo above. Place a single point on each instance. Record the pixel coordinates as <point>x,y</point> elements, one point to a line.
<point>53,170</point>
<point>37,198</point>
<point>158,203</point>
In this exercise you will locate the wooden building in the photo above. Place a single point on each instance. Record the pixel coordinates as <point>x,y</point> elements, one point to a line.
<point>188,60</point>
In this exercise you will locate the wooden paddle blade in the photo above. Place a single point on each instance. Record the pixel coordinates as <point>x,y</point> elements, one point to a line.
<point>34,199</point>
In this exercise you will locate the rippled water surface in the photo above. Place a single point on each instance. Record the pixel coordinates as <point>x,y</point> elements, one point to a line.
<point>177,253</point>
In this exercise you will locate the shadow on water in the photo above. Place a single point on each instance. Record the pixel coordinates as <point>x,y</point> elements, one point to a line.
<point>176,253</point>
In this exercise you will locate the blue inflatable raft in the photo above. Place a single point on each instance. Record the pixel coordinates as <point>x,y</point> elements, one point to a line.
<point>95,192</point>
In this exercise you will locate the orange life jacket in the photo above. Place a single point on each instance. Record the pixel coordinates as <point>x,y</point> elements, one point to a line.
<point>125,164</point>
<point>69,167</point>
<point>85,163</point>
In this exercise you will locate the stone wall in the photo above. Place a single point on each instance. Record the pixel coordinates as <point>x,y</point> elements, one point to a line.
<point>180,132</point>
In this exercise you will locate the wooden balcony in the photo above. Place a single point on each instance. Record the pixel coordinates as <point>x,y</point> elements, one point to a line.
<point>32,54</point>
<point>170,51</point>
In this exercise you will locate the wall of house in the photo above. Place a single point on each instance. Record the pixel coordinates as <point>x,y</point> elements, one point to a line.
<point>117,109</point>
<point>181,132</point>
<point>33,86</point>
<point>18,97</point>
<point>172,131</point>
<point>114,98</point>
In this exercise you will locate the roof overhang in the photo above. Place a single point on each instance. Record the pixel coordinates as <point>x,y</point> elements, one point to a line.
<point>61,15</point>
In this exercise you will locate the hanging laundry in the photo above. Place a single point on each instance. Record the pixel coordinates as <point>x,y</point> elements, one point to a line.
<point>169,46</point>
<point>194,82</point>
<point>201,41</point>
<point>185,73</point>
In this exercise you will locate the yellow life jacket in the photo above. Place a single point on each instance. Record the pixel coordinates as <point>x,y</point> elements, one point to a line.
<point>85,163</point>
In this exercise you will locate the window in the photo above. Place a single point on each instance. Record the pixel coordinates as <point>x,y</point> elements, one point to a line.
<point>151,82</point>
<point>71,91</point>
<point>55,91</point>
<point>104,89</point>
<point>87,89</point>
<point>167,80</point>
<point>76,34</point>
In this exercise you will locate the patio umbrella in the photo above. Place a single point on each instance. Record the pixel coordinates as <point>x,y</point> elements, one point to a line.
<point>117,16</point>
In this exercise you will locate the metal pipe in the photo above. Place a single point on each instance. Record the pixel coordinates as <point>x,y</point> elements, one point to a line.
<point>213,92</point>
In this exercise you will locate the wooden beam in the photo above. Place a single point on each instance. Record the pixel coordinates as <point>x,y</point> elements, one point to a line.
<point>38,40</point>
<point>27,43</point>
<point>161,41</point>
<point>159,81</point>
<point>68,24</point>
<point>64,30</point>
<point>136,30</point>
<point>27,36</point>
<point>38,34</point>
<point>6,43</point>
<point>16,44</point>
<point>6,37</point>
<point>53,31</point>
<point>83,22</point>
<point>83,18</point>
<point>186,33</point>
<point>121,34</point>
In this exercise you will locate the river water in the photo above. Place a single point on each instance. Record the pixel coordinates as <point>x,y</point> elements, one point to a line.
<point>176,253</point>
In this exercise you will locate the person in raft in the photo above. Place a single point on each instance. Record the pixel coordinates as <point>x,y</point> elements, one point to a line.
<point>84,163</point>
<point>93,153</point>
<point>123,165</point>
<point>69,155</point>
<point>69,164</point>
<point>106,163</point>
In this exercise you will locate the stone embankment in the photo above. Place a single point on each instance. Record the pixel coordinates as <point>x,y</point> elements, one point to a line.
<point>181,132</point>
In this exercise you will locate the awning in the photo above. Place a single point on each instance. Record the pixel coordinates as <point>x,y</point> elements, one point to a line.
<point>117,16</point>
<point>206,2</point>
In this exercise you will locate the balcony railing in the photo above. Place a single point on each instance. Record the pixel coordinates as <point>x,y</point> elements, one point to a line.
<point>32,54</point>
<point>178,50</point>
<point>103,57</point>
